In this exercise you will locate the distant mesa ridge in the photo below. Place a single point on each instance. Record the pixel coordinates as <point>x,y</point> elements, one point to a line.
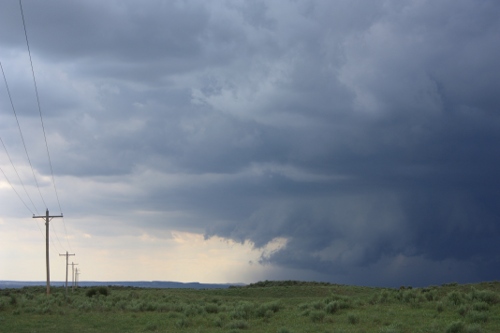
<point>138,284</point>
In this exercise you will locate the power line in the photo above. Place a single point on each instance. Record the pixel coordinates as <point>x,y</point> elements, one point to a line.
<point>17,193</point>
<point>66,232</point>
<point>8,181</point>
<point>38,103</point>
<point>29,160</point>
<point>18,177</point>
<point>41,121</point>
<point>21,134</point>
<point>57,236</point>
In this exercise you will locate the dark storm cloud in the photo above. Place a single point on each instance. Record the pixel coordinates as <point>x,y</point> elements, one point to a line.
<point>426,135</point>
<point>363,133</point>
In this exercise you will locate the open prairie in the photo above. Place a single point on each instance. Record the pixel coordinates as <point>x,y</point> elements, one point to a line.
<point>270,306</point>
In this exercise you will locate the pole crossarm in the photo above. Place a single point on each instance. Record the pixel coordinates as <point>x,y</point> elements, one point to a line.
<point>44,216</point>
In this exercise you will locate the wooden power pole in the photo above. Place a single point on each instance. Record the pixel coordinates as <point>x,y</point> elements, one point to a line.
<point>67,255</point>
<point>47,218</point>
<point>73,276</point>
<point>77,274</point>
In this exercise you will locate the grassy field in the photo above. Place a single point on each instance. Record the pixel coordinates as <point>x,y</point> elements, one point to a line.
<point>270,306</point>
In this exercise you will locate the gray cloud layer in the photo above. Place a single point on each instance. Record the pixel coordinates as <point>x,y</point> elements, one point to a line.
<point>362,132</point>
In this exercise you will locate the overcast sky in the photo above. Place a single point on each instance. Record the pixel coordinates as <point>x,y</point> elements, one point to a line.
<point>349,141</point>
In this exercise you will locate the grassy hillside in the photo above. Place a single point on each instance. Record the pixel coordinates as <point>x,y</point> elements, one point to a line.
<point>277,307</point>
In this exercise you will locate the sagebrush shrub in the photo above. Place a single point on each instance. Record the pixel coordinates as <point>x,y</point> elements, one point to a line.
<point>455,298</point>
<point>317,316</point>
<point>151,327</point>
<point>218,322</point>
<point>373,300</point>
<point>474,328</point>
<point>273,306</point>
<point>193,310</point>
<point>384,296</point>
<point>95,291</point>
<point>318,305</point>
<point>430,296</point>
<point>303,306</point>
<point>480,306</point>
<point>477,317</point>
<point>44,310</point>
<point>410,296</point>
<point>440,307</point>
<point>268,309</point>
<point>238,324</point>
<point>462,310</point>
<point>352,318</point>
<point>162,307</point>
<point>283,330</point>
<point>211,308</point>
<point>455,327</point>
<point>486,296</point>
<point>391,329</point>
<point>332,307</point>
<point>182,322</point>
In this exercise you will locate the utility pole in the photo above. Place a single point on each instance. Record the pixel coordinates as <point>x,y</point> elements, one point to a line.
<point>67,255</point>
<point>73,276</point>
<point>47,218</point>
<point>77,274</point>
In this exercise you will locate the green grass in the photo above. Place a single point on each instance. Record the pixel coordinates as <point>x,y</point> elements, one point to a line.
<point>268,306</point>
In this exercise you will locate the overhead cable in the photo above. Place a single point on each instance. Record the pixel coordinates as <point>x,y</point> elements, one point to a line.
<point>21,134</point>
<point>18,177</point>
<point>41,119</point>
